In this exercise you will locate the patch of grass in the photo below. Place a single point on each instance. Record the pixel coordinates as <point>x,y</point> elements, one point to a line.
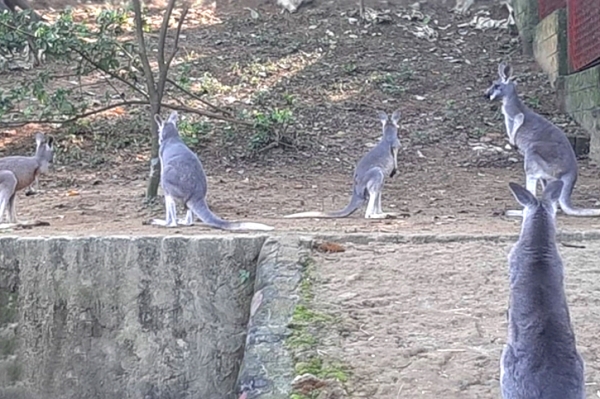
<point>393,82</point>
<point>244,276</point>
<point>478,133</point>
<point>318,368</point>
<point>211,85</point>
<point>533,102</point>
<point>303,341</point>
<point>350,68</point>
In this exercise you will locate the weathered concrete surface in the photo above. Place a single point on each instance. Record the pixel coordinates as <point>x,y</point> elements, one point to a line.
<point>579,94</point>
<point>121,318</point>
<point>550,45</point>
<point>526,18</point>
<point>267,369</point>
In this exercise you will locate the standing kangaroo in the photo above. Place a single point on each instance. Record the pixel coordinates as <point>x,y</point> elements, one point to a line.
<point>547,152</point>
<point>19,172</point>
<point>540,358</point>
<point>370,174</point>
<point>183,179</point>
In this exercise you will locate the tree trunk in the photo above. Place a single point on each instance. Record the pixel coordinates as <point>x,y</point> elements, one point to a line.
<point>153,183</point>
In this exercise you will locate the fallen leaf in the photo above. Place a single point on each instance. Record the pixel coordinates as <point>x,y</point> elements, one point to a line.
<point>330,247</point>
<point>72,193</point>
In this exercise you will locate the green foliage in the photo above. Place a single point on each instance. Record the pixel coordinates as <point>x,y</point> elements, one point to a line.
<point>244,276</point>
<point>82,49</point>
<point>270,127</point>
<point>192,133</point>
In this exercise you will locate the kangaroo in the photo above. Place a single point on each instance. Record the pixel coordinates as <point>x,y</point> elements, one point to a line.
<point>540,358</point>
<point>183,179</point>
<point>19,172</point>
<point>369,175</point>
<point>548,154</point>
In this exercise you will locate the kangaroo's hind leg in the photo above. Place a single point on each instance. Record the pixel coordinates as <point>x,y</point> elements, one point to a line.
<point>8,184</point>
<point>374,186</point>
<point>189,218</point>
<point>171,213</point>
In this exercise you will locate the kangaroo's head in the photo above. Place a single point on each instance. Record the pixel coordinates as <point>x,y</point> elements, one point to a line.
<point>390,128</point>
<point>536,210</point>
<point>503,87</point>
<point>44,151</point>
<point>168,128</point>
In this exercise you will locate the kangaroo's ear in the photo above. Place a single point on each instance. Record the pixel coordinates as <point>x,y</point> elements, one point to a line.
<point>396,117</point>
<point>505,71</point>
<point>383,118</point>
<point>39,139</point>
<point>159,121</point>
<point>50,141</point>
<point>552,191</point>
<point>173,118</point>
<point>523,196</point>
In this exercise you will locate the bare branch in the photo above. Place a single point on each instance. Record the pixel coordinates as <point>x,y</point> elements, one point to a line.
<point>111,74</point>
<point>177,34</point>
<point>164,67</point>
<point>198,98</point>
<point>139,31</point>
<point>162,35</point>
<point>183,108</point>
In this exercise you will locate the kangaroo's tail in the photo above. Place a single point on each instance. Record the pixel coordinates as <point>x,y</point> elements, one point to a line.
<point>201,209</point>
<point>355,203</point>
<point>565,200</point>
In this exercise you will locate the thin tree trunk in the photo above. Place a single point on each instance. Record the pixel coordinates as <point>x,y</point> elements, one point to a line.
<point>154,181</point>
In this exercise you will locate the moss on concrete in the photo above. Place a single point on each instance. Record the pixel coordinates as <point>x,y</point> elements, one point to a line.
<point>305,326</point>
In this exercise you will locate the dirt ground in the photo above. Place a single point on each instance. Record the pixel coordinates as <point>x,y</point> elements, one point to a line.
<point>420,321</point>
<point>435,326</point>
<point>332,75</point>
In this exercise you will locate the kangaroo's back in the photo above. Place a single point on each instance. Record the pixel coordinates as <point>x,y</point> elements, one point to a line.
<point>26,169</point>
<point>384,155</point>
<point>182,173</point>
<point>540,359</point>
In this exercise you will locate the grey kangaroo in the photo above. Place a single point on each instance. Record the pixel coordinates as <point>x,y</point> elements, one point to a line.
<point>370,174</point>
<point>547,152</point>
<point>183,180</point>
<point>19,172</point>
<point>540,358</point>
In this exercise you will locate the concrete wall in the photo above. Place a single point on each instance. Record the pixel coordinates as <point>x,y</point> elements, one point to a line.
<point>550,45</point>
<point>119,318</point>
<point>526,18</point>
<point>579,95</point>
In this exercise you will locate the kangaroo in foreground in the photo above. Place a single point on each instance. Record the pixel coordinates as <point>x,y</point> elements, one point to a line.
<point>548,154</point>
<point>540,358</point>
<point>370,174</point>
<point>183,180</point>
<point>19,172</point>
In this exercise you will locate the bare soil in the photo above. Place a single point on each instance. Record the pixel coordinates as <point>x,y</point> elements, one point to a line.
<point>333,75</point>
<point>419,321</point>
<point>429,321</point>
